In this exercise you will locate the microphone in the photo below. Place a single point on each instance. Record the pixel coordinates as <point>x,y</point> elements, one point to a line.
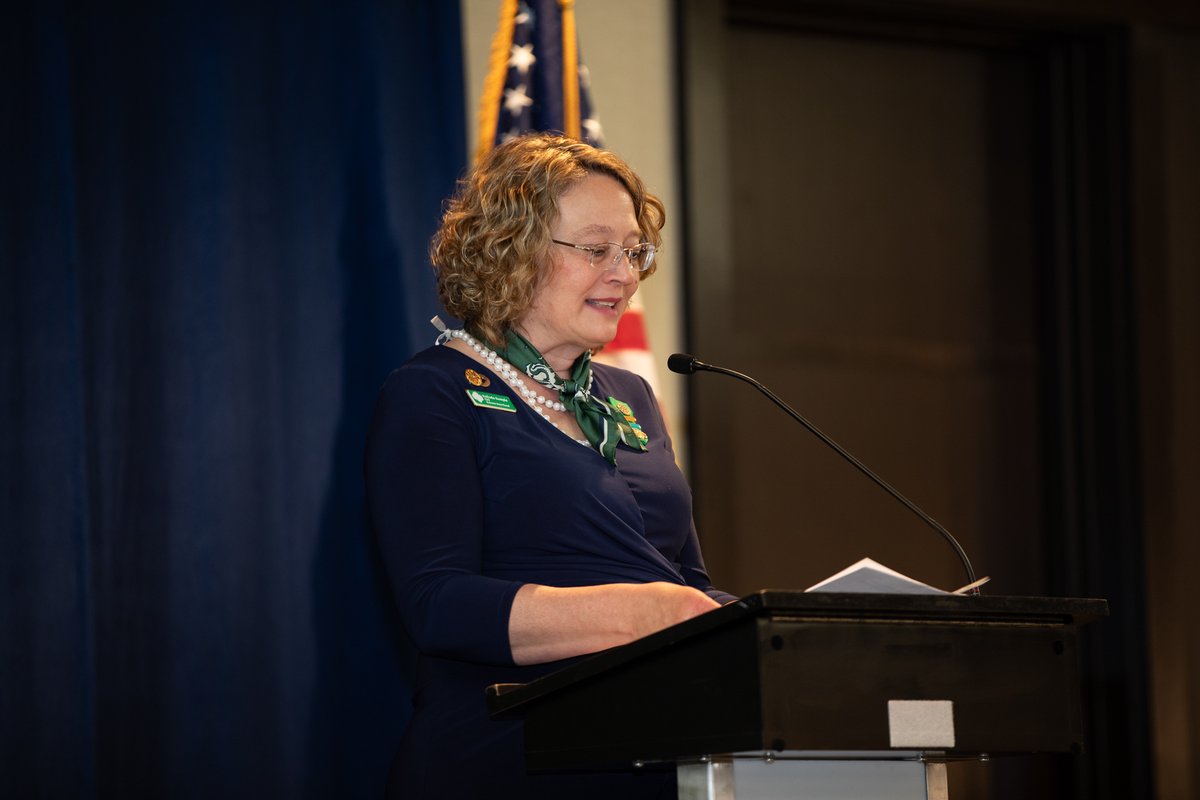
<point>685,364</point>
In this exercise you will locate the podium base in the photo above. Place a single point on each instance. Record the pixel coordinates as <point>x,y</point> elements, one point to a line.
<point>732,778</point>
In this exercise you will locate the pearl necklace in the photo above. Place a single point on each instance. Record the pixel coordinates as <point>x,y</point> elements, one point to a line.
<point>513,378</point>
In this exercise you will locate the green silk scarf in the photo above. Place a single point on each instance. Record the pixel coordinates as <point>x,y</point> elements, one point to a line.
<point>603,425</point>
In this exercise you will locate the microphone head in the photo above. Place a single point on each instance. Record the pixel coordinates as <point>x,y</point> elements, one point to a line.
<point>681,363</point>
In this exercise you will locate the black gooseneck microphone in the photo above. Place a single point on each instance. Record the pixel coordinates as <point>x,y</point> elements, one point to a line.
<point>685,364</point>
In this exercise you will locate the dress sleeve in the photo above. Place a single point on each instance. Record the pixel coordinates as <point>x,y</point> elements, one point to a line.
<point>426,504</point>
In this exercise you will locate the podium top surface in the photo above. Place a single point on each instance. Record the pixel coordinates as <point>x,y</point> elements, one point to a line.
<point>507,700</point>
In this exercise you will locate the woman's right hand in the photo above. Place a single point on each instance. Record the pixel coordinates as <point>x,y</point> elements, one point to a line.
<point>550,623</point>
<point>655,606</point>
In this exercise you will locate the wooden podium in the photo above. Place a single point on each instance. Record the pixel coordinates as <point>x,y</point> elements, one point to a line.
<point>790,694</point>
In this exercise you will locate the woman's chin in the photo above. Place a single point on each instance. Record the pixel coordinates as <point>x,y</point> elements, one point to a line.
<point>605,341</point>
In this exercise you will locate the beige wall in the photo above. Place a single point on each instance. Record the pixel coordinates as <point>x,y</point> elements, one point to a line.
<point>626,45</point>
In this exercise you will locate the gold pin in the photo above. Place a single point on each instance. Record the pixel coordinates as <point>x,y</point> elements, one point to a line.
<point>475,379</point>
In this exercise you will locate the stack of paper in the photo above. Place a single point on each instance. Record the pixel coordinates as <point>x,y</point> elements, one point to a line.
<point>870,577</point>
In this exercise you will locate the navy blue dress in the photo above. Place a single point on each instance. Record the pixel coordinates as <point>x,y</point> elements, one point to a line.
<point>468,503</point>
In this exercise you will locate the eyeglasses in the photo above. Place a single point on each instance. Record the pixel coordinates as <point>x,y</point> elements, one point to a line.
<point>607,255</point>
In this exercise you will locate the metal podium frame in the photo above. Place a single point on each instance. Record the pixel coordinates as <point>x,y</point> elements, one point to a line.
<point>752,777</point>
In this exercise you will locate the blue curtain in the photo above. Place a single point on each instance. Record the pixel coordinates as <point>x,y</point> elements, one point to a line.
<point>213,224</point>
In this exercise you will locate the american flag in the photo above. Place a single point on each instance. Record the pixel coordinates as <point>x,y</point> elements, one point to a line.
<point>537,82</point>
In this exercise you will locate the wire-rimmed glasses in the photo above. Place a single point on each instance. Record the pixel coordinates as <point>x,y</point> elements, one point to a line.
<point>607,255</point>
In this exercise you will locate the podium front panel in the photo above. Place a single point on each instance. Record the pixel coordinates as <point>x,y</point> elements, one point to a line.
<point>802,673</point>
<point>827,684</point>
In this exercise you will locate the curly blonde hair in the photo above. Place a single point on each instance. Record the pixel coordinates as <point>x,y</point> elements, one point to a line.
<point>494,238</point>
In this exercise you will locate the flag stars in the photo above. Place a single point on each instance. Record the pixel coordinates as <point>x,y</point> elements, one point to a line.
<point>522,58</point>
<point>516,100</point>
<point>592,132</point>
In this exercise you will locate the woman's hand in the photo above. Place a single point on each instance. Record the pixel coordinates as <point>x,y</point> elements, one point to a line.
<point>548,623</point>
<point>655,606</point>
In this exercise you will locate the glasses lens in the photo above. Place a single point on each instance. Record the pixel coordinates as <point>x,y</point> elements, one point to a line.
<point>641,257</point>
<point>604,256</point>
<point>610,255</point>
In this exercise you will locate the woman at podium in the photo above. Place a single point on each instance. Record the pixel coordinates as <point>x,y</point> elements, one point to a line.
<point>526,500</point>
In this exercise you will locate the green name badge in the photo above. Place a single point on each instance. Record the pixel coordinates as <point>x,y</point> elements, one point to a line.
<point>489,400</point>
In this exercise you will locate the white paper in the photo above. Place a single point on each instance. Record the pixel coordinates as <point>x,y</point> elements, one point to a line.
<point>870,577</point>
